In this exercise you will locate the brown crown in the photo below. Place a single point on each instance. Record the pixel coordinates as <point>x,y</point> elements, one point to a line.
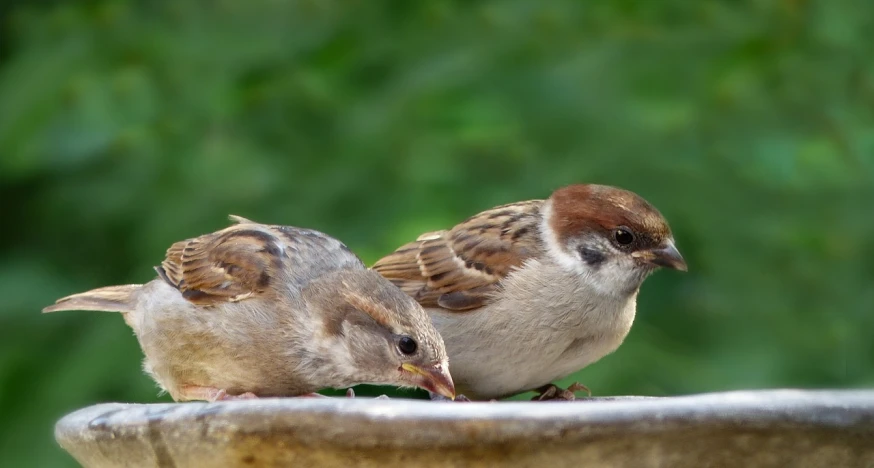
<point>578,209</point>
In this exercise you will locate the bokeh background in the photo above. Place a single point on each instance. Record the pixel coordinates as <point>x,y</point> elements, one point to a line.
<point>125,126</point>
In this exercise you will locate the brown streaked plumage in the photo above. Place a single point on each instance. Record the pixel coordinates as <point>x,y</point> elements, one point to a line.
<point>460,268</point>
<point>264,310</point>
<point>552,275</point>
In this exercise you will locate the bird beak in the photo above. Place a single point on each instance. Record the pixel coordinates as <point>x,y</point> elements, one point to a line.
<point>666,256</point>
<point>435,379</point>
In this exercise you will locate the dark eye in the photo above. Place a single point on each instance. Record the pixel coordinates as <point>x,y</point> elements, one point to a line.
<point>623,236</point>
<point>407,345</point>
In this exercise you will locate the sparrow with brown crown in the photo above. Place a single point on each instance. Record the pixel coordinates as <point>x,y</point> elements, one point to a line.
<point>257,310</point>
<point>528,293</point>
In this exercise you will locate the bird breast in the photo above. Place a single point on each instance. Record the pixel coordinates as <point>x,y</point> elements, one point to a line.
<point>544,325</point>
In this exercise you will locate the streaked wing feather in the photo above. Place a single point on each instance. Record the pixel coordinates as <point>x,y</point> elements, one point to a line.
<point>462,268</point>
<point>171,268</point>
<point>226,266</point>
<point>244,260</point>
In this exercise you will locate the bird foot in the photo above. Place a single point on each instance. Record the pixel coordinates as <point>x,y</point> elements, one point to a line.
<point>223,396</point>
<point>555,393</point>
<point>194,392</point>
<point>349,394</point>
<point>458,398</point>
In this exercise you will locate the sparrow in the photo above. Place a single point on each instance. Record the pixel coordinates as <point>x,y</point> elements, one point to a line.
<point>531,292</point>
<point>258,310</point>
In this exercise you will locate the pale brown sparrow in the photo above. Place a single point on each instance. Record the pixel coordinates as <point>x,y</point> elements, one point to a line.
<point>257,310</point>
<point>528,293</point>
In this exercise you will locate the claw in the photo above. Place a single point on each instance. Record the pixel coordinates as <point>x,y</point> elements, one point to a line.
<point>461,398</point>
<point>222,395</point>
<point>553,392</point>
<point>195,392</point>
<point>578,387</point>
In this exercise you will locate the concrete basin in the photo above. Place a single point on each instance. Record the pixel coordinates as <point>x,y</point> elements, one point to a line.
<point>775,428</point>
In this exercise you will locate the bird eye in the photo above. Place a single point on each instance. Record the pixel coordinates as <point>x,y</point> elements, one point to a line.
<point>407,345</point>
<point>623,236</point>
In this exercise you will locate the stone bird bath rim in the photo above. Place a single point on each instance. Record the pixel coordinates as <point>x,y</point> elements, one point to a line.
<point>753,428</point>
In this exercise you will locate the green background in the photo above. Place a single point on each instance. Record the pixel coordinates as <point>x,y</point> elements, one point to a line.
<point>126,126</point>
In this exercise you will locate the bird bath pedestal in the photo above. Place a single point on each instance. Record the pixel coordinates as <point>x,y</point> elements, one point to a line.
<point>738,429</point>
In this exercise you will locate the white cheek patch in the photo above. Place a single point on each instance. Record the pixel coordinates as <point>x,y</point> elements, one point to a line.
<point>615,276</point>
<point>554,248</point>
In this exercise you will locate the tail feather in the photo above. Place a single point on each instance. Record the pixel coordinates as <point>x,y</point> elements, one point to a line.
<point>108,299</point>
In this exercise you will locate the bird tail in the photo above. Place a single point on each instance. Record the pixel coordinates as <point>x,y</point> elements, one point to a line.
<point>108,299</point>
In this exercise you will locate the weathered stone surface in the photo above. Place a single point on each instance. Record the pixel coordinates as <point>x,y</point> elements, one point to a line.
<point>738,429</point>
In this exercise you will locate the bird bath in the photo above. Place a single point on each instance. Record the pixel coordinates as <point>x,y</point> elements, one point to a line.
<point>751,428</point>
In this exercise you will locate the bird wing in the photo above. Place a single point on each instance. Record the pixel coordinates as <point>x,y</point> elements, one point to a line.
<point>245,260</point>
<point>460,269</point>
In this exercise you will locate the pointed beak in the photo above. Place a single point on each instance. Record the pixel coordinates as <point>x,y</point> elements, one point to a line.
<point>435,379</point>
<point>665,256</point>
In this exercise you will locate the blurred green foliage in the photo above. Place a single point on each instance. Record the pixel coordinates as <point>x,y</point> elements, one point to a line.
<point>125,126</point>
